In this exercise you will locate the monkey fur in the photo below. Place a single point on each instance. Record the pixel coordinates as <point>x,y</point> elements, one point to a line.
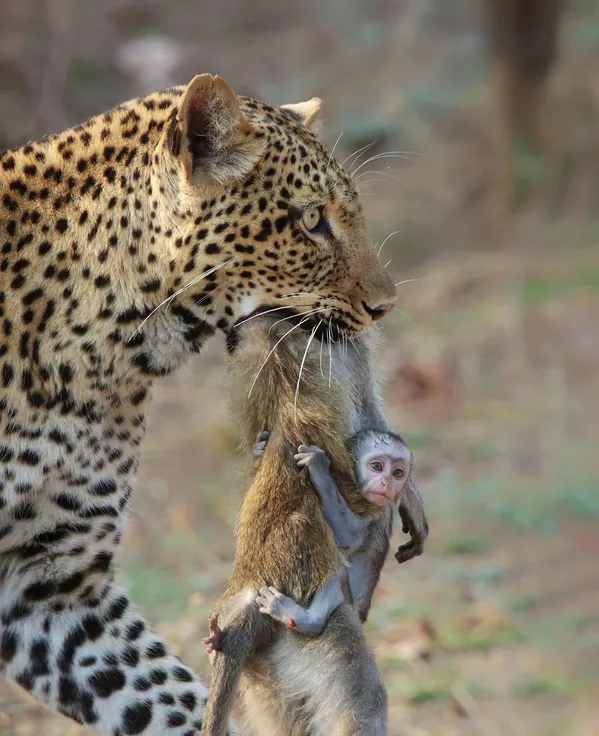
<point>283,540</point>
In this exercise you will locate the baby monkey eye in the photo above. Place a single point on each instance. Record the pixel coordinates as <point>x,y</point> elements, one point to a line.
<point>376,466</point>
<point>311,218</point>
<point>398,473</point>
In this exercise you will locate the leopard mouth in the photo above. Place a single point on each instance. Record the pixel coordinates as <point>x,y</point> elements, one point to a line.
<point>329,329</point>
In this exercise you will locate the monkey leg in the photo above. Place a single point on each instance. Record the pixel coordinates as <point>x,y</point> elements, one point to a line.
<point>263,712</point>
<point>332,681</point>
<point>309,621</point>
<point>244,632</point>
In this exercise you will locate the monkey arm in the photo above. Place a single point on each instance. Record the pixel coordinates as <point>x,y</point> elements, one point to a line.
<point>411,512</point>
<point>349,529</point>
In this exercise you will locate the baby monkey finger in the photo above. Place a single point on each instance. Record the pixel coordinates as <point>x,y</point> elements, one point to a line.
<point>302,458</point>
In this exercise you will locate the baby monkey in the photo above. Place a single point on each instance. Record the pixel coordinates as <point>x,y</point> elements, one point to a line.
<point>383,467</point>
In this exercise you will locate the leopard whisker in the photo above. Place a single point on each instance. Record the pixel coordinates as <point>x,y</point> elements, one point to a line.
<point>403,314</point>
<point>395,232</point>
<point>169,299</point>
<point>331,154</point>
<point>356,348</point>
<point>330,353</point>
<point>335,146</point>
<point>381,173</point>
<point>406,281</point>
<point>299,376</point>
<point>301,293</point>
<point>299,324</point>
<point>267,311</point>
<point>359,151</point>
<point>300,314</point>
<point>320,322</point>
<point>388,154</point>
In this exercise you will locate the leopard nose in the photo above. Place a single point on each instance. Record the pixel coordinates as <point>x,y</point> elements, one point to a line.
<point>379,311</point>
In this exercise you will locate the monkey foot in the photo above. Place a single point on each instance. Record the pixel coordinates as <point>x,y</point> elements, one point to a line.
<point>279,606</point>
<point>213,641</point>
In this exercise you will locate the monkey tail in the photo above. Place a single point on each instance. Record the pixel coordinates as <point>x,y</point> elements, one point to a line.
<point>227,667</point>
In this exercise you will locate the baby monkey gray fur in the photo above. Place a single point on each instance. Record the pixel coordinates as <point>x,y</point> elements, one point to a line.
<point>383,466</point>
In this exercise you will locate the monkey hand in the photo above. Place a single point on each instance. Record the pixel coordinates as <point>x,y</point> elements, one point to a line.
<point>315,459</point>
<point>409,550</point>
<point>260,444</point>
<point>213,641</point>
<point>415,547</point>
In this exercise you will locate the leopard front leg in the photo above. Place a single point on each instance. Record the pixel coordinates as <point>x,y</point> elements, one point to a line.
<point>93,657</point>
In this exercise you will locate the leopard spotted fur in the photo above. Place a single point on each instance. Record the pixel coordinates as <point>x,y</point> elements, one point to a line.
<point>191,199</point>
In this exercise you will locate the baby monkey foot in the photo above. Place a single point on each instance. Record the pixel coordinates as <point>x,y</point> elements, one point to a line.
<point>213,641</point>
<point>260,444</point>
<point>312,457</point>
<point>280,607</point>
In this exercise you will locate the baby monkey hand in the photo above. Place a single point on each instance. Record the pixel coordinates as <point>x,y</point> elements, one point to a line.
<point>418,535</point>
<point>313,458</point>
<point>260,444</point>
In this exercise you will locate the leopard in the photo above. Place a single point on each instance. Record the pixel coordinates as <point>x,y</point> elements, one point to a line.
<point>127,242</point>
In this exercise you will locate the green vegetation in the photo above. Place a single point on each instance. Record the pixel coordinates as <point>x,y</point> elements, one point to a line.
<point>466,544</point>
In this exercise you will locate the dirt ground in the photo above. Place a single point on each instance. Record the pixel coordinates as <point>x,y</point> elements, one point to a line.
<point>491,359</point>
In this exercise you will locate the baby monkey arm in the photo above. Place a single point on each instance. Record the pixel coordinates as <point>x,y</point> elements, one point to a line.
<point>348,528</point>
<point>414,522</point>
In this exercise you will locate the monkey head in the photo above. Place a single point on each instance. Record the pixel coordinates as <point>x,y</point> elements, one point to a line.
<point>383,465</point>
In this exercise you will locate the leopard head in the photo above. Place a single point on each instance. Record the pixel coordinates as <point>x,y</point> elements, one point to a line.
<point>273,222</point>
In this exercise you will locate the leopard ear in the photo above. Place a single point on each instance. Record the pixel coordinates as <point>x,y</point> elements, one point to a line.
<point>307,113</point>
<point>212,137</point>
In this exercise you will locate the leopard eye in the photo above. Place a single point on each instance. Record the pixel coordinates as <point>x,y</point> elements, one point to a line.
<point>311,218</point>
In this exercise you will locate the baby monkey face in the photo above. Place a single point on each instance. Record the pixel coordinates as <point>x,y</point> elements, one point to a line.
<point>383,477</point>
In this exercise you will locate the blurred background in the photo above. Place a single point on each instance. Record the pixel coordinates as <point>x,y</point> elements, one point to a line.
<point>481,187</point>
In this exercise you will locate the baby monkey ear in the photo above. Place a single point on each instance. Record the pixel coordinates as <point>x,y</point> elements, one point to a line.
<point>307,113</point>
<point>210,135</point>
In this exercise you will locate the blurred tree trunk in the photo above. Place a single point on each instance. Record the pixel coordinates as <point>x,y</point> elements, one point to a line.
<point>50,82</point>
<point>35,55</point>
<point>523,40</point>
<point>13,79</point>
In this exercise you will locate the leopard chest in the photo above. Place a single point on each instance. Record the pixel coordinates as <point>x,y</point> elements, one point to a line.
<point>64,475</point>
